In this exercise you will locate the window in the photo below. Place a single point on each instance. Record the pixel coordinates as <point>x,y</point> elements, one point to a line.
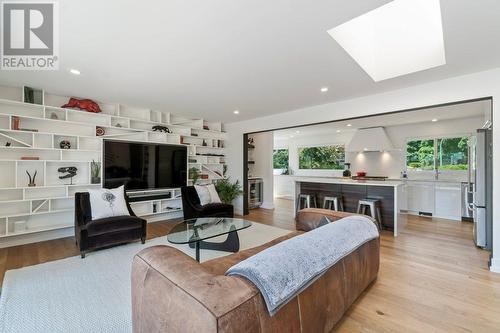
<point>323,157</point>
<point>438,153</point>
<point>420,155</point>
<point>280,159</point>
<point>452,153</point>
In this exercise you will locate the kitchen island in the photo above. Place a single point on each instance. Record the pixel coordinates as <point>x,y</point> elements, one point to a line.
<point>351,191</point>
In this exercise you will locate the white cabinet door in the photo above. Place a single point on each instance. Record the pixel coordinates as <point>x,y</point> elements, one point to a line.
<point>421,197</point>
<point>448,201</point>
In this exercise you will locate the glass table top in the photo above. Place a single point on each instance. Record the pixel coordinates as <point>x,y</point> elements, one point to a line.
<point>199,229</point>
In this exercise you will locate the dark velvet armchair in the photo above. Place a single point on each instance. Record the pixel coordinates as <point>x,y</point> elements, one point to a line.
<point>93,234</point>
<point>193,209</point>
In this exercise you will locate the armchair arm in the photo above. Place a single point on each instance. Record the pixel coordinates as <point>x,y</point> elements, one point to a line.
<point>171,290</point>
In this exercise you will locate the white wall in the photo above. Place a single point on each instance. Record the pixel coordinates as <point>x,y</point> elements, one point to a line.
<point>482,84</point>
<point>263,167</point>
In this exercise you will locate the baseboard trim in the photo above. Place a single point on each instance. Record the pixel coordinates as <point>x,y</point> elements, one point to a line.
<point>495,265</point>
<point>267,205</point>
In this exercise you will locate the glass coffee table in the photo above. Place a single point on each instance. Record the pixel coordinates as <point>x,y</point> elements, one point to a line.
<point>195,231</point>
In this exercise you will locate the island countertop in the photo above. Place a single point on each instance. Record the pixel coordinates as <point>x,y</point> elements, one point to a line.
<point>351,191</point>
<point>346,181</point>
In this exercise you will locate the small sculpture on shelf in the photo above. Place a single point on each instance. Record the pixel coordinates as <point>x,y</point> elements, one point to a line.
<point>32,178</point>
<point>70,172</point>
<point>99,131</point>
<point>53,115</point>
<point>83,104</point>
<point>65,144</point>
<point>8,144</point>
<point>159,128</point>
<point>95,172</point>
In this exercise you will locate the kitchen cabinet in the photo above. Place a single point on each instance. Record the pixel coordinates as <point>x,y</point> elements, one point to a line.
<point>421,197</point>
<point>448,201</point>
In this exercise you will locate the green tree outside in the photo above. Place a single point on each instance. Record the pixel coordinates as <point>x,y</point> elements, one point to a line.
<point>452,154</point>
<point>325,157</point>
<point>280,158</point>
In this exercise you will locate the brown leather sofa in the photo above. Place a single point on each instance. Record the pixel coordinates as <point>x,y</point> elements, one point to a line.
<point>171,292</point>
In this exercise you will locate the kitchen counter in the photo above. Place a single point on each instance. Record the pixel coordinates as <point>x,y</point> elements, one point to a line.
<point>350,191</point>
<point>333,180</point>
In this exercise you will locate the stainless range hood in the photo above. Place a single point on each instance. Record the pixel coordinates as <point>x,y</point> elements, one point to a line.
<point>370,139</point>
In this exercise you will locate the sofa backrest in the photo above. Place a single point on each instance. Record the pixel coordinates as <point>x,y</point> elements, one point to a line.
<point>309,218</point>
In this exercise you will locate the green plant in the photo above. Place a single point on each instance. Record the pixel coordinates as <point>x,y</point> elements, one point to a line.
<point>95,169</point>
<point>227,190</point>
<point>194,175</point>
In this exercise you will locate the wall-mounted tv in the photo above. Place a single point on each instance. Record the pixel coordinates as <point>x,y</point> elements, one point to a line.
<point>144,166</point>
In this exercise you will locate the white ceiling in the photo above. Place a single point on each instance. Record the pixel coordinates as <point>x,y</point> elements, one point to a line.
<point>208,58</point>
<point>442,114</point>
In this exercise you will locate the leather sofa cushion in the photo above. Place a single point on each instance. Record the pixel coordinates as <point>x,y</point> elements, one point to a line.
<point>212,208</point>
<point>112,224</point>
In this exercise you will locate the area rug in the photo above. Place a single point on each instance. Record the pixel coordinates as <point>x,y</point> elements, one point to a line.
<point>91,294</point>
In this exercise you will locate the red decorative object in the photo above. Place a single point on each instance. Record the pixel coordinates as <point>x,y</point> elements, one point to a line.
<point>15,123</point>
<point>361,174</point>
<point>99,131</point>
<point>83,104</point>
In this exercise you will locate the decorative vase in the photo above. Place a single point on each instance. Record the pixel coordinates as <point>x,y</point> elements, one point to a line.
<point>95,180</point>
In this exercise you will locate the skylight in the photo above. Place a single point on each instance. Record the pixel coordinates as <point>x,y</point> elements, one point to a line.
<point>401,37</point>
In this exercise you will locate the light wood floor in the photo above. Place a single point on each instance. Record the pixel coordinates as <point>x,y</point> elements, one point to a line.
<point>432,278</point>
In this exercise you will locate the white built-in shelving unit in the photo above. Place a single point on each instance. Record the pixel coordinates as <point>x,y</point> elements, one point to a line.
<point>49,205</point>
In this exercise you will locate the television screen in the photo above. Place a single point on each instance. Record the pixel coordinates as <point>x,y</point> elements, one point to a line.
<point>144,166</point>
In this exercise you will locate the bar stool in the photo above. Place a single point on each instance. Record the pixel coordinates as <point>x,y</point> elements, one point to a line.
<point>308,200</point>
<point>374,205</point>
<point>335,201</point>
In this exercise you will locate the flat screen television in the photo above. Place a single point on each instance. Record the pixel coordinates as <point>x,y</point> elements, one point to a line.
<point>144,166</point>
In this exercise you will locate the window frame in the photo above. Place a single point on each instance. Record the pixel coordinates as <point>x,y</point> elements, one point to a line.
<point>435,138</point>
<point>315,146</point>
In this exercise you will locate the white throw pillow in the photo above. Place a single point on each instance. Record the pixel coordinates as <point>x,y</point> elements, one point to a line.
<point>207,194</point>
<point>203,194</point>
<point>108,202</point>
<point>213,193</point>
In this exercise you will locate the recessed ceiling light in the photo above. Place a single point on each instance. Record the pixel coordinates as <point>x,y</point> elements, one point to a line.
<point>324,89</point>
<point>365,149</point>
<point>291,136</point>
<point>398,38</point>
<point>349,125</point>
<point>236,112</point>
<point>297,132</point>
<point>434,120</point>
<point>338,131</point>
<point>74,71</point>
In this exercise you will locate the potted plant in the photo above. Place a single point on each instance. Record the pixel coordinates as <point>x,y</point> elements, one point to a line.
<point>227,190</point>
<point>194,175</point>
<point>95,172</point>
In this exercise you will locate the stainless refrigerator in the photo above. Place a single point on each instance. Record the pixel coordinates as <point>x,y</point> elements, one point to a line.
<point>482,189</point>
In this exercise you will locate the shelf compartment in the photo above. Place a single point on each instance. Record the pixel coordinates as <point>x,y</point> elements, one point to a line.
<point>14,208</point>
<point>39,206</point>
<point>73,140</point>
<point>21,109</point>
<point>82,116</point>
<point>7,176</point>
<point>39,222</point>
<point>55,113</point>
<point>3,226</point>
<point>142,208</point>
<point>82,174</point>
<point>41,140</point>
<point>81,188</point>
<point>20,139</point>
<point>87,143</point>
<point>16,154</point>
<point>59,101</point>
<point>11,194</point>
<point>135,113</point>
<point>22,179</point>
<point>77,155</point>
<point>62,203</point>
<point>164,138</point>
<point>120,122</point>
<point>44,192</point>
<point>56,126</point>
